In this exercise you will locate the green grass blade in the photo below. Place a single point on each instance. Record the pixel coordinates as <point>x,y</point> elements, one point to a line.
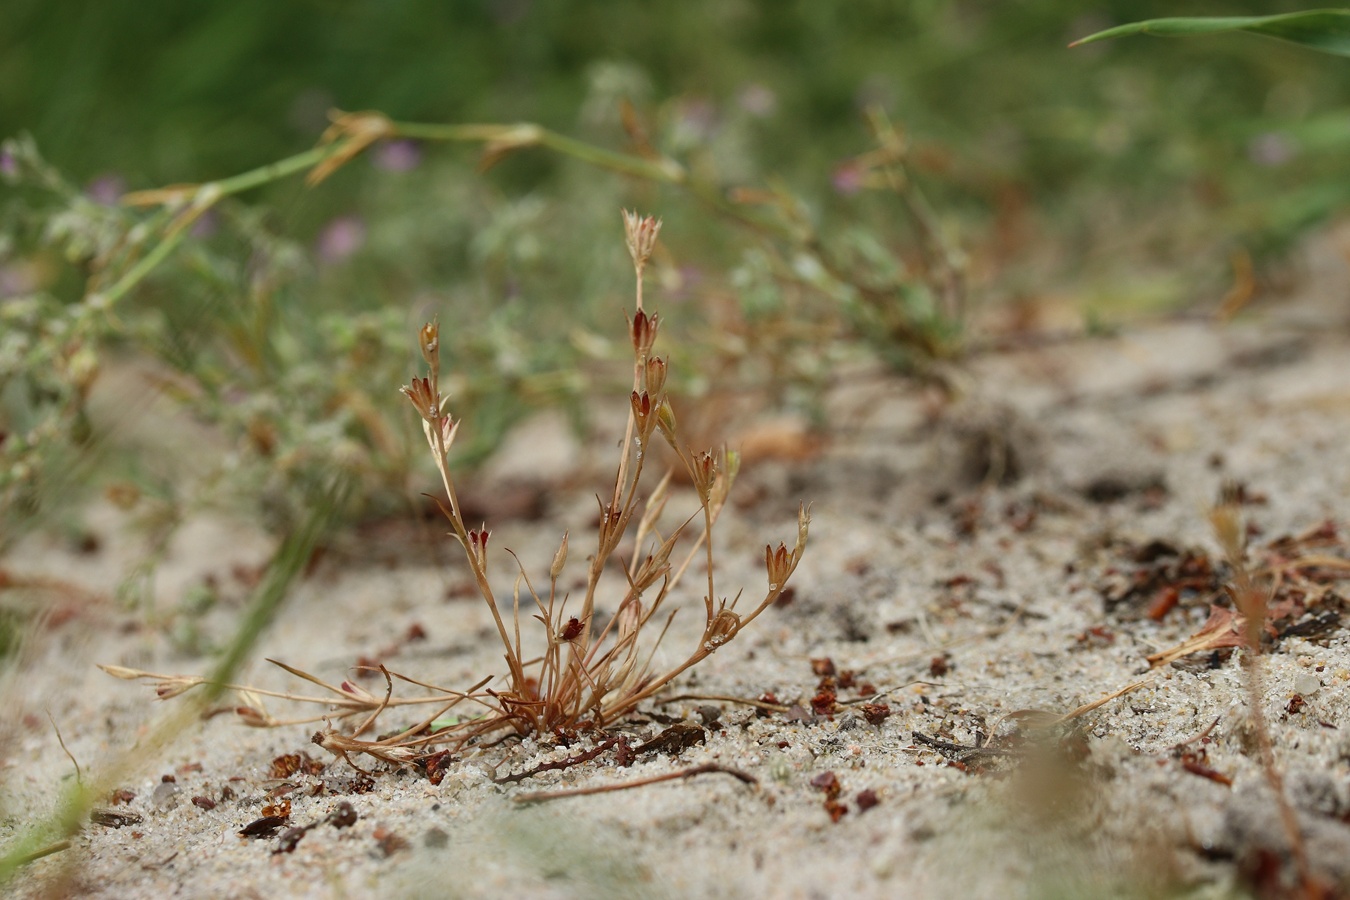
<point>52,834</point>
<point>1327,30</point>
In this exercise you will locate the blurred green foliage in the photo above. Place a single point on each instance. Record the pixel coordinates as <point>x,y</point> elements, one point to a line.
<point>1117,174</point>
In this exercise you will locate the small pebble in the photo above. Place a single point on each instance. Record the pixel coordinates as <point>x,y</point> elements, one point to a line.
<point>1306,683</point>
<point>164,794</point>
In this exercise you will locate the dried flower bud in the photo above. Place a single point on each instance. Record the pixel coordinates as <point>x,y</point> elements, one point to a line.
<point>704,470</point>
<point>640,233</point>
<point>665,420</point>
<point>429,339</point>
<point>643,328</point>
<point>642,406</point>
<point>559,559</point>
<point>655,376</point>
<point>721,629</point>
<point>776,562</point>
<point>423,398</point>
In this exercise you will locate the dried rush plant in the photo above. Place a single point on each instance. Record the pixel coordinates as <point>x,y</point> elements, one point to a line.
<point>587,675</point>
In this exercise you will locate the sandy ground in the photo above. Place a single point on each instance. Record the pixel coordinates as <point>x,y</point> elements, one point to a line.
<point>969,566</point>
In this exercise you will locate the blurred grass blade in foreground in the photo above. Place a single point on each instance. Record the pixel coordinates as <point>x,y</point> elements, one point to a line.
<point>1327,30</point>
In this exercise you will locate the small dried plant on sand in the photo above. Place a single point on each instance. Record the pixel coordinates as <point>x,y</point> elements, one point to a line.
<point>584,673</point>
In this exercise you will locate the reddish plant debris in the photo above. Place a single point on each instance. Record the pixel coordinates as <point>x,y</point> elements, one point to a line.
<point>1163,602</point>
<point>436,764</point>
<point>866,799</point>
<point>939,665</point>
<point>289,839</point>
<point>204,802</point>
<point>823,666</point>
<point>867,689</point>
<point>827,783</point>
<point>678,737</point>
<point>623,754</point>
<point>121,795</point>
<point>847,679</point>
<point>572,630</point>
<point>295,763</point>
<point>770,698</point>
<point>389,842</point>
<point>415,632</point>
<point>1192,763</point>
<point>824,702</point>
<point>263,827</point>
<point>875,713</point>
<point>1296,704</point>
<point>189,768</point>
<point>167,779</point>
<point>1095,637</point>
<point>343,815</point>
<point>279,810</point>
<point>366,666</point>
<point>226,794</point>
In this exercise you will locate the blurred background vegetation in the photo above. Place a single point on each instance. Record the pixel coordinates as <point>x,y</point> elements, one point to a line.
<point>1047,188</point>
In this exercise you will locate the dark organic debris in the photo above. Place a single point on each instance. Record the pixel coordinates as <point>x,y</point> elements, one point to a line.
<point>111,818</point>
<point>263,827</point>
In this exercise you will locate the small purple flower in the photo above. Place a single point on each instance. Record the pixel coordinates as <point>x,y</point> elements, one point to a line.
<point>1271,149</point>
<point>400,155</point>
<point>106,189</point>
<point>340,238</point>
<point>9,166</point>
<point>758,100</point>
<point>848,178</point>
<point>206,225</point>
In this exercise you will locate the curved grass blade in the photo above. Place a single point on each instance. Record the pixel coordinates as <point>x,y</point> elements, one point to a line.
<point>1325,30</point>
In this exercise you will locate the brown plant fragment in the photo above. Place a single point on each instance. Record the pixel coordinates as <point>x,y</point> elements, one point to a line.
<point>866,799</point>
<point>280,809</point>
<point>1223,628</point>
<point>436,764</point>
<point>110,818</point>
<point>1191,763</point>
<point>263,827</point>
<point>388,841</point>
<point>875,713</point>
<point>828,783</point>
<point>289,764</point>
<point>289,839</point>
<point>343,815</point>
<point>824,702</point>
<point>204,803</point>
<point>675,739</point>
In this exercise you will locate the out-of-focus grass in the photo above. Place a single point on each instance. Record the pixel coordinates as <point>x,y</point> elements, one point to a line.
<point>1110,173</point>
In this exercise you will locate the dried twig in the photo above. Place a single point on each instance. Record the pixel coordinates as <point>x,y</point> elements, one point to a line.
<point>706,768</point>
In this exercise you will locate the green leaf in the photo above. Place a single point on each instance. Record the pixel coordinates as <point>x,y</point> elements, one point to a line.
<point>1327,30</point>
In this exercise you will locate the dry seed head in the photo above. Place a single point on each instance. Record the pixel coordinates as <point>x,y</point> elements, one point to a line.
<point>665,420</point>
<point>655,376</point>
<point>705,472</point>
<point>640,233</point>
<point>721,629</point>
<point>559,559</point>
<point>429,339</point>
<point>423,398</point>
<point>643,330</point>
<point>778,564</point>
